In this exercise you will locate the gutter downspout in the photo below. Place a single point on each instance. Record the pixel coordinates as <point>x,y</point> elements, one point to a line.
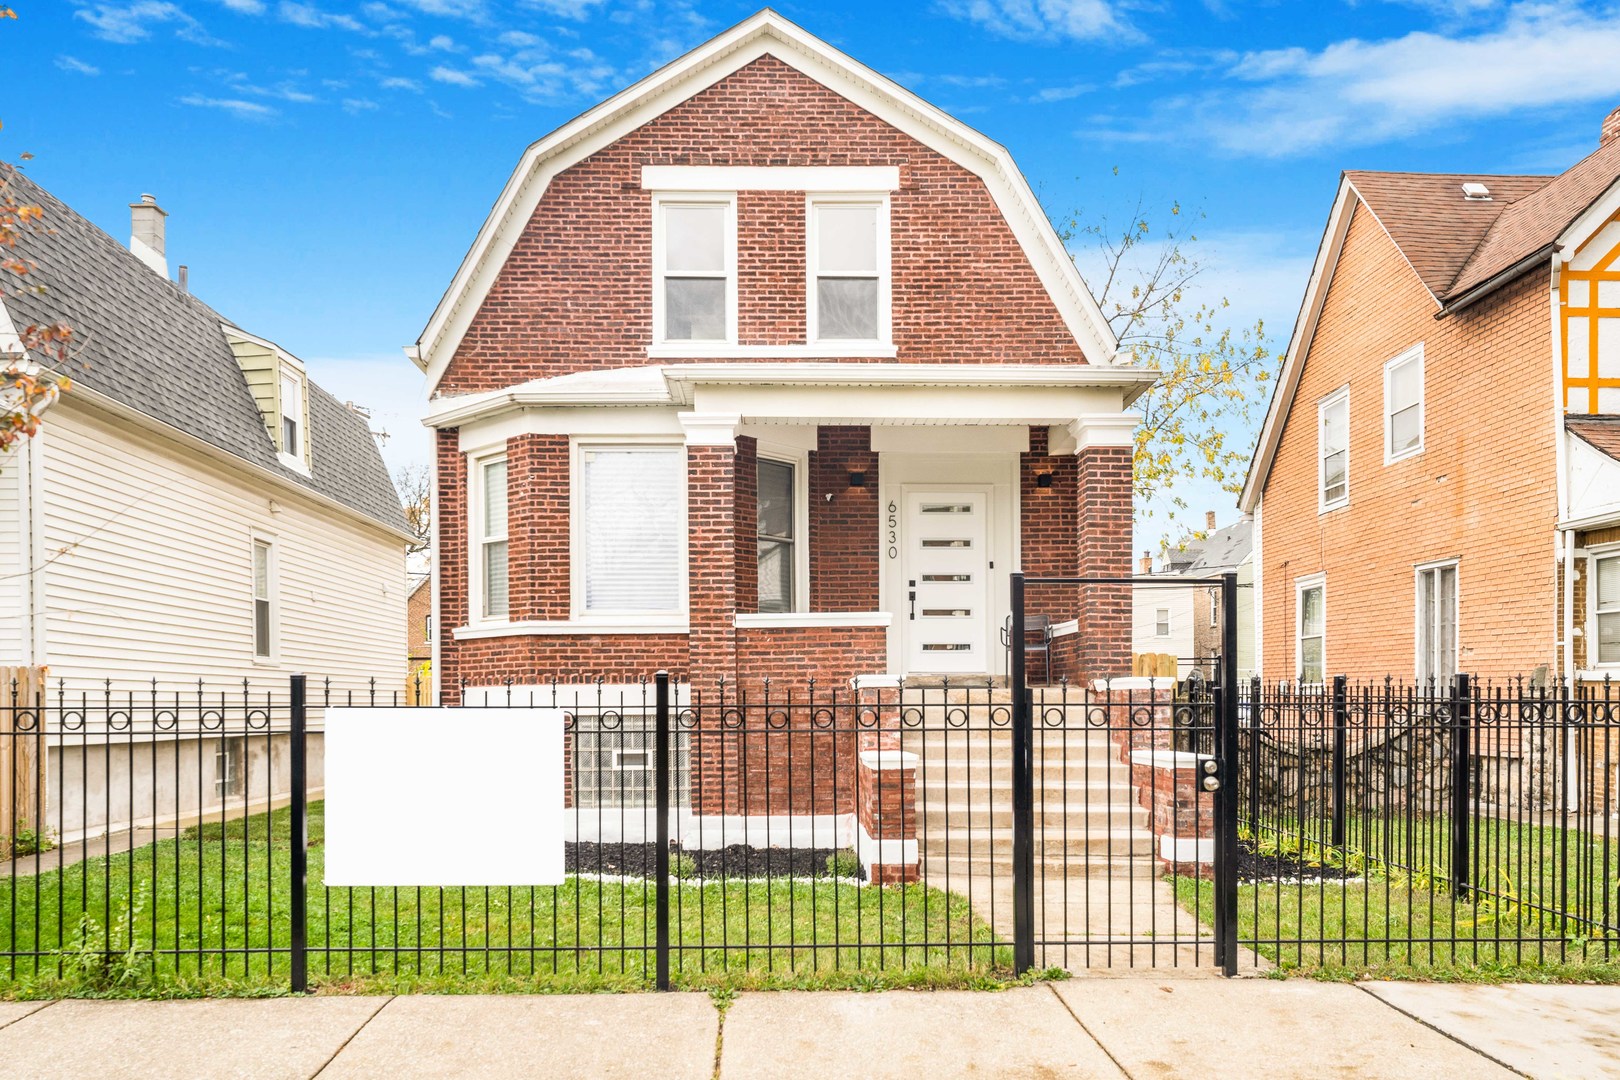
<point>1569,606</point>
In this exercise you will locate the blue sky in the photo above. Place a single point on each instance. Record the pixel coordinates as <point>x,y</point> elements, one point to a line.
<point>326,164</point>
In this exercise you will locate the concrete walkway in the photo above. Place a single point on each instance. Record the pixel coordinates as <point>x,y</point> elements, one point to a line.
<point>1139,1027</point>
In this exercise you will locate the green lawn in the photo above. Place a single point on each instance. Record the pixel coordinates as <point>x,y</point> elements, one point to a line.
<point>198,914</point>
<point>1544,904</point>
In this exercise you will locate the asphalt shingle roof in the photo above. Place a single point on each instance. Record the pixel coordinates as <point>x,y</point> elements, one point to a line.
<point>145,343</point>
<point>1602,432</point>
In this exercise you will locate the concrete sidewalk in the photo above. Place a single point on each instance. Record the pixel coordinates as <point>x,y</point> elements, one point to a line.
<point>1137,1027</point>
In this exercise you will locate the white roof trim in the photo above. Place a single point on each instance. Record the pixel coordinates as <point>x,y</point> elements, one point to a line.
<point>673,384</point>
<point>1590,221</point>
<point>764,33</point>
<point>1310,310</point>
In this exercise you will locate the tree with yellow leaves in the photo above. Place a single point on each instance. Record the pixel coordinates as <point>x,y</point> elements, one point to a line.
<point>30,364</point>
<point>1197,419</point>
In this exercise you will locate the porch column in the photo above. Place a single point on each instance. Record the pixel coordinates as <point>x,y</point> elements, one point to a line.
<point>712,543</point>
<point>1103,448</point>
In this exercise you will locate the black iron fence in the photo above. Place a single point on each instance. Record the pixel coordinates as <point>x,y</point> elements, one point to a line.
<point>832,835</point>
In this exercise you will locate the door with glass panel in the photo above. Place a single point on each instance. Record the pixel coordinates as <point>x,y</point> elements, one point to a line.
<point>946,618</point>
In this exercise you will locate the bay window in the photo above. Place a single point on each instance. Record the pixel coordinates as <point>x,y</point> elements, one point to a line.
<point>848,261</point>
<point>694,269</point>
<point>777,536</point>
<point>630,530</point>
<point>490,550</point>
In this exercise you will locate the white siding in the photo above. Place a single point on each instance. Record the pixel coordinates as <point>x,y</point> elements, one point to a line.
<point>13,570</point>
<point>152,569</point>
<point>1145,603</point>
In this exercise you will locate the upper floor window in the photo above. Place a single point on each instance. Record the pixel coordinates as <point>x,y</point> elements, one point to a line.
<point>1403,405</point>
<point>490,548</point>
<point>1333,450</point>
<point>848,263</point>
<point>694,269</point>
<point>1161,622</point>
<point>630,530</point>
<point>292,413</point>
<point>1606,608</point>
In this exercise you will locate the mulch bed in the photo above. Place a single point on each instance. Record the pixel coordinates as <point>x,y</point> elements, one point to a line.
<point>736,861</point>
<point>1253,867</point>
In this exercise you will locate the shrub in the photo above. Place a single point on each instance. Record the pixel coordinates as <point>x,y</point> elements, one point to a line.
<point>844,863</point>
<point>682,866</point>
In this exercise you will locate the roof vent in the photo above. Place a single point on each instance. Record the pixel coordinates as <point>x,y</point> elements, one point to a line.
<point>1474,191</point>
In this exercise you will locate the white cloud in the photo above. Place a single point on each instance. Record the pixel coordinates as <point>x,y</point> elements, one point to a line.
<point>442,42</point>
<point>459,9</point>
<point>129,23</point>
<point>1357,92</point>
<point>245,7</point>
<point>452,76</point>
<point>568,9</point>
<point>395,82</point>
<point>1044,20</point>
<point>1060,93</point>
<point>311,17</point>
<point>247,110</point>
<point>355,106</point>
<point>74,64</point>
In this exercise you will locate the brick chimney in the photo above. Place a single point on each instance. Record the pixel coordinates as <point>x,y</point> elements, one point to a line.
<point>1611,129</point>
<point>146,233</point>
<point>1145,565</point>
<point>1209,521</point>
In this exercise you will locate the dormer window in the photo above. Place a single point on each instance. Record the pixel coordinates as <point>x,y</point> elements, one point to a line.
<point>292,413</point>
<point>848,263</point>
<point>694,269</point>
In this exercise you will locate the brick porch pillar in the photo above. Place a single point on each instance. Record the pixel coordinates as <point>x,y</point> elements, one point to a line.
<point>711,541</point>
<point>1104,446</point>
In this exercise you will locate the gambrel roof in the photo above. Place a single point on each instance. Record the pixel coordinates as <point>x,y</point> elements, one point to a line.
<point>766,33</point>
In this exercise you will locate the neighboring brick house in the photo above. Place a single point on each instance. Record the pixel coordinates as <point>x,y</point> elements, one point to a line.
<point>419,633</point>
<point>1442,441</point>
<point>765,367</point>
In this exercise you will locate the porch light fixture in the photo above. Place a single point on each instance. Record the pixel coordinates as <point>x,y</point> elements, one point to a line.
<point>1043,483</point>
<point>857,479</point>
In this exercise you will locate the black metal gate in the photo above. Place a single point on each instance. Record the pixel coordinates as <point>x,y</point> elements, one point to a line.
<point>1124,790</point>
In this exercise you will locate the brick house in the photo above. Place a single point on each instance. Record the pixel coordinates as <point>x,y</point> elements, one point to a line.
<point>1443,442</point>
<point>765,367</point>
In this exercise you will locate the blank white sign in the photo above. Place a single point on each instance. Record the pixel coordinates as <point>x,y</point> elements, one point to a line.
<point>466,796</point>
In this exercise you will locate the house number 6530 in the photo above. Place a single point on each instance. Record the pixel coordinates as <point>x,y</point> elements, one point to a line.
<point>894,536</point>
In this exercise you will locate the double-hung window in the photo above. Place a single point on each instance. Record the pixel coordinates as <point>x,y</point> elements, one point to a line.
<point>630,516</point>
<point>292,413</point>
<point>494,592</point>
<point>1437,622</point>
<point>1403,405</point>
<point>263,613</point>
<point>1311,630</point>
<point>1161,622</point>
<point>694,269</point>
<point>1606,608</point>
<point>777,536</point>
<point>848,263</point>
<point>1333,450</point>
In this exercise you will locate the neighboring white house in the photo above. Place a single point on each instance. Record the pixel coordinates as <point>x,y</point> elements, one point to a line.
<point>1184,621</point>
<point>194,508</point>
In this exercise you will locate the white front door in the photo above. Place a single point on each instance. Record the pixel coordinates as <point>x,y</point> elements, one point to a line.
<point>947,614</point>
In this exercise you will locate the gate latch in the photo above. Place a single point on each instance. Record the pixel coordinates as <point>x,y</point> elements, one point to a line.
<point>1211,782</point>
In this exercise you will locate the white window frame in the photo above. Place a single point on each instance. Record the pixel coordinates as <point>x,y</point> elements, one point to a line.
<point>228,769</point>
<point>476,591</point>
<point>1414,355</point>
<point>1594,555</point>
<point>661,200</point>
<point>1301,587</point>
<point>272,655</point>
<point>800,460</point>
<point>1417,614</point>
<point>1323,505</point>
<point>1161,622</point>
<point>884,275</point>
<point>288,370</point>
<point>622,620</point>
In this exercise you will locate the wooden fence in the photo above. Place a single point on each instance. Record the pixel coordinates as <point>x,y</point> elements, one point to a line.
<point>22,757</point>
